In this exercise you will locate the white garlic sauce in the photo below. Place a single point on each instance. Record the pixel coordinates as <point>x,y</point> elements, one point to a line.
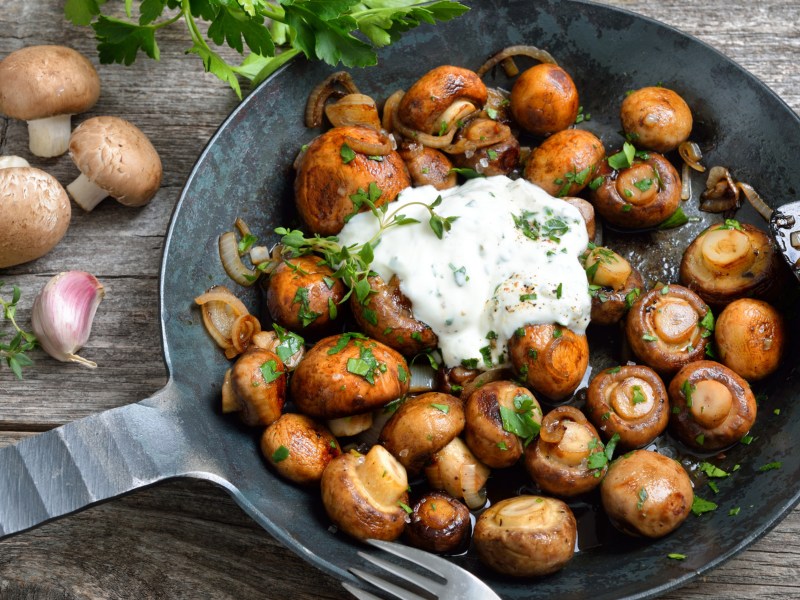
<point>485,279</point>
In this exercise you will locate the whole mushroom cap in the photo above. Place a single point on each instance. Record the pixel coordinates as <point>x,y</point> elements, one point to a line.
<point>34,214</point>
<point>43,81</point>
<point>116,156</point>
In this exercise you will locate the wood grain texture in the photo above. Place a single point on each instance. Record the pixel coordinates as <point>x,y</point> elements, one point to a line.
<point>188,539</point>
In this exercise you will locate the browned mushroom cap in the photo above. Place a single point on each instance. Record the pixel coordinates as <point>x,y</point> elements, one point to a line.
<point>656,118</point>
<point>646,494</point>
<point>641,196</point>
<point>299,448</point>
<point>630,401</point>
<point>443,95</point>
<point>258,382</point>
<point>751,338</point>
<point>485,433</point>
<point>712,407</point>
<point>115,159</point>
<point>439,523</point>
<point>544,99</point>
<point>386,316</point>
<point>428,166</point>
<point>669,327</point>
<point>565,162</point>
<point>300,293</point>
<point>498,159</point>
<point>327,181</point>
<point>559,460</point>
<point>364,495</point>
<point>587,212</point>
<point>613,284</point>
<point>550,359</point>
<point>34,212</point>
<point>731,260</point>
<point>422,426</point>
<point>348,374</point>
<point>526,536</point>
<point>45,85</point>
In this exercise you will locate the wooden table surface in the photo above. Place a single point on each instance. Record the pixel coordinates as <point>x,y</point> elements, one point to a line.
<point>188,539</point>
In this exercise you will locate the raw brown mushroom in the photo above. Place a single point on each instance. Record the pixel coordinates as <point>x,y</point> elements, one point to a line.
<point>751,338</point>
<point>45,86</point>
<point>115,159</point>
<point>34,214</point>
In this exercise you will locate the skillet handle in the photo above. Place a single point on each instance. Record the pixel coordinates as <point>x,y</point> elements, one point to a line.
<point>85,462</point>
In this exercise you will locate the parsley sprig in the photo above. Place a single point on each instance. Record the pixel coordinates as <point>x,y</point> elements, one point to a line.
<point>351,263</point>
<point>14,351</point>
<point>269,33</point>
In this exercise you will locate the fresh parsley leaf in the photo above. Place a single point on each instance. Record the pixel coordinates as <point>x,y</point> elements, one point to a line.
<point>347,154</point>
<point>622,159</point>
<point>677,219</point>
<point>441,407</point>
<point>270,371</point>
<point>466,172</point>
<point>281,454</point>
<point>700,506</point>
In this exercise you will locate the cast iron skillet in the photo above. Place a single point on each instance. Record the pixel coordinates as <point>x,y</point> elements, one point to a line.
<point>246,171</point>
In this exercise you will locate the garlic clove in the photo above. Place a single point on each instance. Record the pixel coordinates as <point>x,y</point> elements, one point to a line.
<point>63,312</point>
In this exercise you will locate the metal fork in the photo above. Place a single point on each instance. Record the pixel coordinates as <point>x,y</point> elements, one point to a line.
<point>458,583</point>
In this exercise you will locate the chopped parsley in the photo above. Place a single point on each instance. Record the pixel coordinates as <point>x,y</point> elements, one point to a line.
<point>676,556</point>
<point>770,466</point>
<point>688,389</point>
<point>281,454</point>
<point>520,421</point>
<point>402,374</point>
<point>305,314</point>
<point>642,498</point>
<point>649,338</point>
<point>290,343</point>
<point>622,159</point>
<point>269,371</point>
<point>599,460</point>
<point>701,506</point>
<point>470,363</point>
<point>366,364</point>
<point>712,470</point>
<point>638,395</point>
<point>445,408</point>
<point>347,154</point>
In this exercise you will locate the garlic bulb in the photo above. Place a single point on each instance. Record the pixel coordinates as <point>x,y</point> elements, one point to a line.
<point>63,312</point>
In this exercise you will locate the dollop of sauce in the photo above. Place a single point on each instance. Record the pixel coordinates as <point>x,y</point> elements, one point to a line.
<point>510,259</point>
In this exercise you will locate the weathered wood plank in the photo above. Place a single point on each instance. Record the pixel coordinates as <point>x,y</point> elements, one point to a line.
<point>188,539</point>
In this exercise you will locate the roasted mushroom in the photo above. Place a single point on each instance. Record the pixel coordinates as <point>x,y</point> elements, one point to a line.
<point>731,260</point>
<point>485,146</point>
<point>638,196</point>
<point>364,495</point>
<point>712,407</point>
<point>646,494</point>
<point>258,385</point>
<point>487,413</point>
<point>299,448</point>
<point>428,166</point>
<point>587,212</point>
<point>526,536</point>
<point>630,401</point>
<point>544,99</point>
<point>656,118</point>
<point>386,316</point>
<point>550,359</point>
<point>613,284</point>
<point>439,99</point>
<point>303,295</point>
<point>560,462</point>
<point>751,338</point>
<point>565,162</point>
<point>336,170</point>
<point>422,426</point>
<point>669,327</point>
<point>458,472</point>
<point>348,374</point>
<point>439,523</point>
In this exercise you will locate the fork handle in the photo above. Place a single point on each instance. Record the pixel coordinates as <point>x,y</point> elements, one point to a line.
<point>53,474</point>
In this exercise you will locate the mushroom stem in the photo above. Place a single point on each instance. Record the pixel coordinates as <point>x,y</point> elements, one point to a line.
<point>382,476</point>
<point>86,194</point>
<point>49,137</point>
<point>7,162</point>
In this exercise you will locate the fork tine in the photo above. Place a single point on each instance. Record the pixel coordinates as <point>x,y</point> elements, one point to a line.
<point>359,593</point>
<point>424,583</point>
<point>433,563</point>
<point>386,586</point>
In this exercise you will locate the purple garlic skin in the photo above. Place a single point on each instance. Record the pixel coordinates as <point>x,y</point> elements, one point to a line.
<point>63,313</point>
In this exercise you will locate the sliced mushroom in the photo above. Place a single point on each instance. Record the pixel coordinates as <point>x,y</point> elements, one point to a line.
<point>457,471</point>
<point>526,536</point>
<point>612,283</point>
<point>712,407</point>
<point>115,159</point>
<point>669,327</point>
<point>630,401</point>
<point>45,86</point>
